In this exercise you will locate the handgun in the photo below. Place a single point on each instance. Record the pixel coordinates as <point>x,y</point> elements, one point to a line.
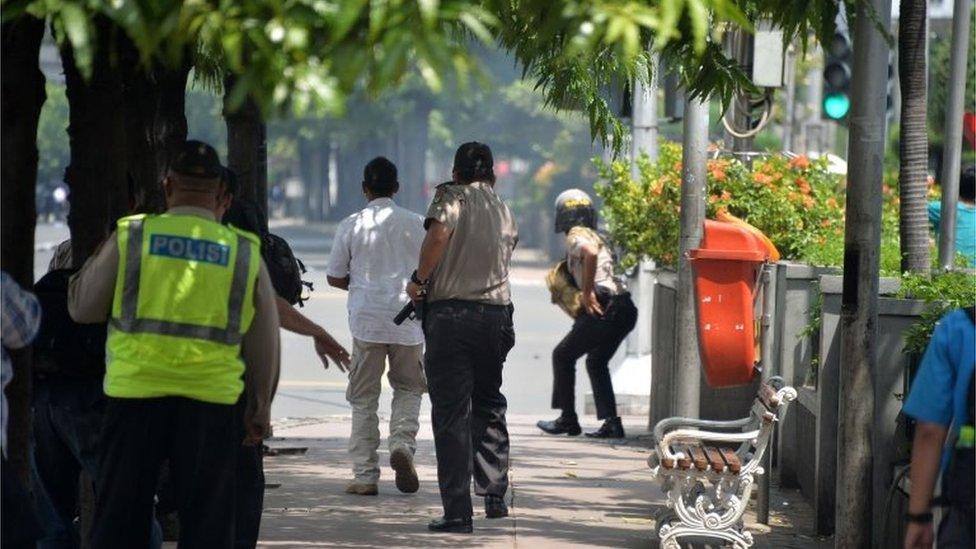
<point>404,313</point>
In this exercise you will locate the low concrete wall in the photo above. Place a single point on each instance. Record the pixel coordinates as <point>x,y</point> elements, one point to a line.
<point>820,403</point>
<point>663,346</point>
<point>797,293</point>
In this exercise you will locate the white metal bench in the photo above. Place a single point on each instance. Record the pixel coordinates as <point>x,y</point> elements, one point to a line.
<point>708,468</point>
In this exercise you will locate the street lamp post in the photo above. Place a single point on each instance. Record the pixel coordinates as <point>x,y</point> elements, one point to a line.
<point>687,386</point>
<point>952,153</point>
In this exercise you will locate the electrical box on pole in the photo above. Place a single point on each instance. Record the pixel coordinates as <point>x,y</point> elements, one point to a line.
<point>836,99</point>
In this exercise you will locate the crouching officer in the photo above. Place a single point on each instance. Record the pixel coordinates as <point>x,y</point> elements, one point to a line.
<point>604,314</point>
<point>464,265</point>
<point>191,312</point>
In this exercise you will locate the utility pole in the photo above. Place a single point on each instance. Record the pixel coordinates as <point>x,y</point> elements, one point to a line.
<point>952,153</point>
<point>634,373</point>
<point>862,244</point>
<point>687,386</point>
<point>789,116</point>
<point>644,120</point>
<point>814,124</point>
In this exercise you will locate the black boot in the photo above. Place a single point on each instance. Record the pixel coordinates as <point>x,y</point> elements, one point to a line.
<point>565,423</point>
<point>451,526</point>
<point>495,507</point>
<point>611,428</point>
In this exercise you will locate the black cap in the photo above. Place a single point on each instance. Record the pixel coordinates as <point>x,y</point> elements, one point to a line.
<point>196,159</point>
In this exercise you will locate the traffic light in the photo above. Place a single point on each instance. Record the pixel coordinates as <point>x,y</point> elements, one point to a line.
<point>837,76</point>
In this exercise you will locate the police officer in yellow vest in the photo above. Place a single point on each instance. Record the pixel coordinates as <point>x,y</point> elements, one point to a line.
<point>192,320</point>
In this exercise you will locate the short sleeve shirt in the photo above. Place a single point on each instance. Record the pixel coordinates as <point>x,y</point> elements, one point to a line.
<point>965,227</point>
<point>483,234</point>
<point>940,391</point>
<point>377,248</point>
<point>576,240</point>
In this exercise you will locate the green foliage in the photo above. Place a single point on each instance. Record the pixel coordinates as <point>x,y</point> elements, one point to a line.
<point>830,253</point>
<point>52,140</point>
<point>795,202</point>
<point>309,55</point>
<point>942,293</point>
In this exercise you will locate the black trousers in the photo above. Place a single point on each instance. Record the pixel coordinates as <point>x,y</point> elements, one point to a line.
<point>598,339</point>
<point>250,488</point>
<point>200,440</point>
<point>18,521</point>
<point>67,417</point>
<point>467,344</point>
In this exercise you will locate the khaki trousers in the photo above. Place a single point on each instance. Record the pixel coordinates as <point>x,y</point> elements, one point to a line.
<point>407,379</point>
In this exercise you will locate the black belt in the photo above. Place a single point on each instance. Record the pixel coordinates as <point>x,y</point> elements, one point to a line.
<point>468,305</point>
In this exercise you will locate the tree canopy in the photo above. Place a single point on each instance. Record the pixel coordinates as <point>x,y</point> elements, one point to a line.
<point>311,54</point>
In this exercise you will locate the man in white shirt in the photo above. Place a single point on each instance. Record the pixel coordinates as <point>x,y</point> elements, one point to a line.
<point>373,254</point>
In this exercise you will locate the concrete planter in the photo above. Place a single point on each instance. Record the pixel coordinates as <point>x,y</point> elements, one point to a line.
<point>798,290</point>
<point>817,406</point>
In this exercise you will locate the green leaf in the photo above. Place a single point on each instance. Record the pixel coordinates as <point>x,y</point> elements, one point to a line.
<point>77,28</point>
<point>349,13</point>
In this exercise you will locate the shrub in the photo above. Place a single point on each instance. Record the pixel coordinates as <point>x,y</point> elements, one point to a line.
<point>796,202</point>
<point>942,293</point>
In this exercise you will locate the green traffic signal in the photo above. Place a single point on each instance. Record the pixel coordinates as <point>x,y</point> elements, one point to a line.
<point>836,105</point>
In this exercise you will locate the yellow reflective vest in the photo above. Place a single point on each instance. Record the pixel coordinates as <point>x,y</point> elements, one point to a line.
<point>184,298</point>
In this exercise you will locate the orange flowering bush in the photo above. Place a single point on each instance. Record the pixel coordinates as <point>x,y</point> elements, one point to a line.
<point>795,201</point>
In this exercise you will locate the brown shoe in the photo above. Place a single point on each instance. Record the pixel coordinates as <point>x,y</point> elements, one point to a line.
<point>401,460</point>
<point>361,489</point>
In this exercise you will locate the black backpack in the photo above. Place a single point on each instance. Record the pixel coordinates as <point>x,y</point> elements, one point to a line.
<point>285,269</point>
<point>63,348</point>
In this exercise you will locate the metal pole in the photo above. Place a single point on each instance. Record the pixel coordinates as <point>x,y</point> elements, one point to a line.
<point>687,386</point>
<point>952,153</point>
<point>643,141</point>
<point>789,114</point>
<point>862,244</point>
<point>644,120</point>
<point>768,363</point>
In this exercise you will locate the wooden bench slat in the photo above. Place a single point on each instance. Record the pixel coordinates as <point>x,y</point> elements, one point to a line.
<point>715,459</point>
<point>732,459</point>
<point>684,462</point>
<point>698,456</point>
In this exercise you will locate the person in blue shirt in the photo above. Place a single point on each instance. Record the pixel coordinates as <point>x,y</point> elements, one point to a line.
<point>965,216</point>
<point>940,402</point>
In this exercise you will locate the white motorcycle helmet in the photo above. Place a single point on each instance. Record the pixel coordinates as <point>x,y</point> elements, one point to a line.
<point>574,208</point>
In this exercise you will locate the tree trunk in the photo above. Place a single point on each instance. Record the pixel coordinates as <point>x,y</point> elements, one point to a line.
<point>21,97</point>
<point>314,164</point>
<point>96,173</point>
<point>412,154</point>
<point>155,124</point>
<point>247,149</point>
<point>170,128</point>
<point>349,196</point>
<point>914,143</point>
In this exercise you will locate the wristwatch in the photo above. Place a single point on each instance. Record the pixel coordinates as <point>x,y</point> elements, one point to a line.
<point>919,518</point>
<point>416,279</point>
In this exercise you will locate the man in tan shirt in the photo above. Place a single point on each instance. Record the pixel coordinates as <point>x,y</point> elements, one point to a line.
<point>199,438</point>
<point>463,268</point>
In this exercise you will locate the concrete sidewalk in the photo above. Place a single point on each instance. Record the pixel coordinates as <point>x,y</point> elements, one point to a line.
<point>564,492</point>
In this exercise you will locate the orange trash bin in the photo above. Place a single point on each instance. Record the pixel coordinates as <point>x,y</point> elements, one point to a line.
<point>726,271</point>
